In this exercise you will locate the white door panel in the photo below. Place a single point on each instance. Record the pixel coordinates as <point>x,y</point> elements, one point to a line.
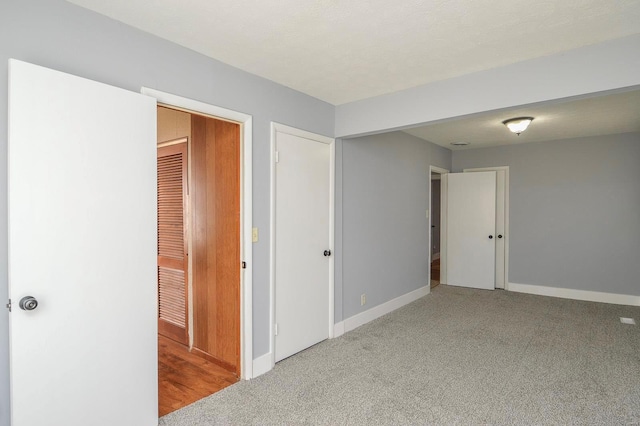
<point>302,227</point>
<point>471,234</point>
<point>501,222</point>
<point>500,228</point>
<point>82,241</point>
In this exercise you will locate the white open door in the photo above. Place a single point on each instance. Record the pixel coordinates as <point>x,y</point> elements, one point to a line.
<point>302,243</point>
<point>502,219</point>
<point>471,219</point>
<point>82,242</point>
<point>500,229</point>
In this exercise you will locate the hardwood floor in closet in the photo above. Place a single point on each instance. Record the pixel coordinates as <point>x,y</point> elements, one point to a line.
<point>435,273</point>
<point>184,378</point>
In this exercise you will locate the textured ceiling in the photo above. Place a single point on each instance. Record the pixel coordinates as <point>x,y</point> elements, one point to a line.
<point>342,51</point>
<point>602,115</point>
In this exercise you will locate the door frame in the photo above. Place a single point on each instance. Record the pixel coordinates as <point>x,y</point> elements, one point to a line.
<point>443,224</point>
<point>507,234</point>
<point>282,128</point>
<point>246,211</point>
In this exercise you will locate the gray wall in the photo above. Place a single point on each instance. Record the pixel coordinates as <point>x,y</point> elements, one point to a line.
<point>385,238</point>
<point>574,211</point>
<point>62,36</point>
<point>435,214</point>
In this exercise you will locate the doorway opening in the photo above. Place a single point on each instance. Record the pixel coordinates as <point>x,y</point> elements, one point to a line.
<point>199,239</point>
<point>435,229</point>
<point>436,222</point>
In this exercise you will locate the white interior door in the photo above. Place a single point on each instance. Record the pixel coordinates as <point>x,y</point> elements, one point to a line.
<point>302,234</point>
<point>82,241</point>
<point>471,235</point>
<point>500,228</point>
<point>502,210</point>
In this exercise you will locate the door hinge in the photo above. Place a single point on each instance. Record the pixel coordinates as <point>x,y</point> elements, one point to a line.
<point>277,156</point>
<point>244,265</point>
<point>275,329</point>
<point>9,305</point>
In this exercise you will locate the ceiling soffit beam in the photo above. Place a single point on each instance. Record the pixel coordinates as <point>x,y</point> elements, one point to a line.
<point>603,67</point>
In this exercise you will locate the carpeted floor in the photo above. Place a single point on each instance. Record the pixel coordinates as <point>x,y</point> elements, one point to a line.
<point>456,356</point>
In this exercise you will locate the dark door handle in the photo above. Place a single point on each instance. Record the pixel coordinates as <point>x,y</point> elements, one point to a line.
<point>500,236</point>
<point>491,237</point>
<point>327,252</point>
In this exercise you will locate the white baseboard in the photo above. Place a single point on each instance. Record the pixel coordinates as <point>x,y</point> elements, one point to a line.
<point>435,256</point>
<point>338,329</point>
<point>567,293</point>
<point>383,309</point>
<point>262,364</point>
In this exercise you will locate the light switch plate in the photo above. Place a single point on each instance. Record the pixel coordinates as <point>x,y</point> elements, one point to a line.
<point>254,235</point>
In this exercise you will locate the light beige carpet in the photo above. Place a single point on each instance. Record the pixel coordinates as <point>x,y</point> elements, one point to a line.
<point>456,356</point>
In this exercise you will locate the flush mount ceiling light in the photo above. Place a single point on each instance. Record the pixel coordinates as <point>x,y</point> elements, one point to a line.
<point>518,125</point>
<point>460,143</point>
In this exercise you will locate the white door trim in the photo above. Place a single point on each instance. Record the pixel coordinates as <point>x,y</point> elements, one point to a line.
<point>277,127</point>
<point>507,234</point>
<point>443,221</point>
<point>246,210</point>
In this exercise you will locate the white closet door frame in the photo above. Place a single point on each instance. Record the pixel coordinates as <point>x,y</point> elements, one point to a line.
<point>277,127</point>
<point>246,210</point>
<point>507,234</point>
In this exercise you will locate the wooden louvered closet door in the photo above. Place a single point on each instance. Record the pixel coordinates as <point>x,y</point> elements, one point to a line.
<point>172,251</point>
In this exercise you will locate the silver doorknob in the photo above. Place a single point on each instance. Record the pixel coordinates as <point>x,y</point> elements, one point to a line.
<point>28,303</point>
